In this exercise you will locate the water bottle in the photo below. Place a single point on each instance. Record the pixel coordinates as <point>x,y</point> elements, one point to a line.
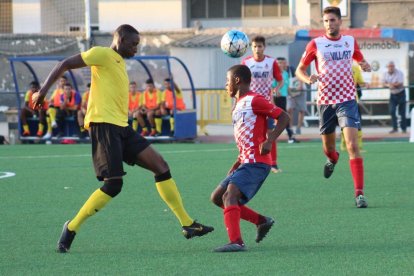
<point>12,138</point>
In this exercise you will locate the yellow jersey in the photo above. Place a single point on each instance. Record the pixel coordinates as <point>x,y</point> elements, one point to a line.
<point>108,97</point>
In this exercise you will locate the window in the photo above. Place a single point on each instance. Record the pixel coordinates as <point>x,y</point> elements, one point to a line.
<point>270,8</point>
<point>215,9</point>
<point>6,16</point>
<point>284,7</point>
<point>200,9</point>
<point>251,8</point>
<point>234,8</point>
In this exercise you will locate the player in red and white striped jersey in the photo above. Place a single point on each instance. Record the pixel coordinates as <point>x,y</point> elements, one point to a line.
<point>253,163</point>
<point>333,54</point>
<point>264,69</point>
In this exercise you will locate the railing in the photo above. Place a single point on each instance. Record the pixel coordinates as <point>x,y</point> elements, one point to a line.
<point>215,106</point>
<point>367,106</point>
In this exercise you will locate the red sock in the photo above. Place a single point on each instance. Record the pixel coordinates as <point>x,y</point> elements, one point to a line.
<point>273,152</point>
<point>232,222</point>
<point>357,171</point>
<point>333,156</point>
<point>250,215</point>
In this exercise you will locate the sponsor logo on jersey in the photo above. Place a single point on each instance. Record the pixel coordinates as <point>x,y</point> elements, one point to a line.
<point>260,75</point>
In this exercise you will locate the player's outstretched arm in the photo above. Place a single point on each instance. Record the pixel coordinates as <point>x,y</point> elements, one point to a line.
<point>72,62</point>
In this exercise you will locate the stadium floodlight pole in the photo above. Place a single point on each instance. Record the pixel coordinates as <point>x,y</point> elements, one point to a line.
<point>87,24</point>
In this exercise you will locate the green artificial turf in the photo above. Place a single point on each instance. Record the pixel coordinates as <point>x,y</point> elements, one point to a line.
<point>319,230</point>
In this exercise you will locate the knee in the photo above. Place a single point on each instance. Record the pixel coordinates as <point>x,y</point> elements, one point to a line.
<point>216,199</point>
<point>112,187</point>
<point>352,147</point>
<point>231,197</point>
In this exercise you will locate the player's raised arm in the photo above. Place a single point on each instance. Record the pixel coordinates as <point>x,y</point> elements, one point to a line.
<point>72,62</point>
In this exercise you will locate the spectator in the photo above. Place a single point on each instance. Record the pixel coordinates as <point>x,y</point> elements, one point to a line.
<point>82,112</point>
<point>134,104</point>
<point>296,99</point>
<point>150,109</point>
<point>54,105</point>
<point>68,107</point>
<point>394,80</point>
<point>28,111</point>
<point>280,97</point>
<point>167,101</point>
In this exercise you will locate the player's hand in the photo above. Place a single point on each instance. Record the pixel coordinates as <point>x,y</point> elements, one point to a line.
<point>265,147</point>
<point>276,92</point>
<point>313,78</point>
<point>365,66</point>
<point>37,100</point>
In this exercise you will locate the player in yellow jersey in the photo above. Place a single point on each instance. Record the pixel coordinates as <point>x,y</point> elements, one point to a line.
<point>113,140</point>
<point>359,83</point>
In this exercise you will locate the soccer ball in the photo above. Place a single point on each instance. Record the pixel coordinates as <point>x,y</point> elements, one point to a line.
<point>234,43</point>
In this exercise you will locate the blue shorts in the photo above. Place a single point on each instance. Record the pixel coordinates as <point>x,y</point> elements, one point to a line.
<point>345,114</point>
<point>248,178</point>
<point>271,123</point>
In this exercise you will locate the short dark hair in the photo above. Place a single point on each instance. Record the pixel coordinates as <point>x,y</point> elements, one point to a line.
<point>167,79</point>
<point>125,29</point>
<point>280,58</point>
<point>241,71</point>
<point>149,81</point>
<point>259,38</point>
<point>334,10</point>
<point>34,84</point>
<point>67,84</point>
<point>133,82</point>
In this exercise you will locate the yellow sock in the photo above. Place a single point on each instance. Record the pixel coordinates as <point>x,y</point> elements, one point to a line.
<point>40,127</point>
<point>134,124</point>
<point>26,127</point>
<point>172,124</point>
<point>95,202</point>
<point>52,114</point>
<point>169,193</point>
<point>360,139</point>
<point>158,124</point>
<point>49,124</point>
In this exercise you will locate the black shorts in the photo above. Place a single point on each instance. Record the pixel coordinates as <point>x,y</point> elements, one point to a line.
<point>112,145</point>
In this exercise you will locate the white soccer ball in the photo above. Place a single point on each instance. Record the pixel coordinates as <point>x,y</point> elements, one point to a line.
<point>234,43</point>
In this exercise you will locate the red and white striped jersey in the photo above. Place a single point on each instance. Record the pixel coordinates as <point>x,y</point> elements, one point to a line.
<point>333,62</point>
<point>250,126</point>
<point>263,73</point>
